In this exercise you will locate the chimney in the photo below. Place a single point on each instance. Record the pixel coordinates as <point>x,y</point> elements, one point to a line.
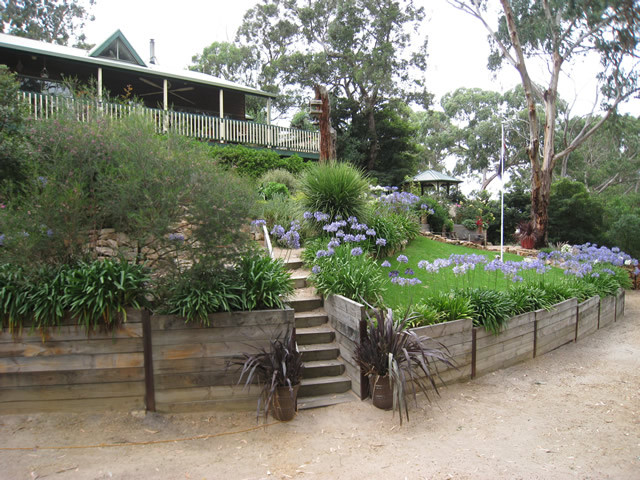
<point>152,51</point>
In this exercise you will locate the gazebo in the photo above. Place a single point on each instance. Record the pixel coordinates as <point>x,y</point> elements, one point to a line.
<point>433,179</point>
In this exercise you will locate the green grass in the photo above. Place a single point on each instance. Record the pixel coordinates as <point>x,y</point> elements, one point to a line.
<point>426,249</point>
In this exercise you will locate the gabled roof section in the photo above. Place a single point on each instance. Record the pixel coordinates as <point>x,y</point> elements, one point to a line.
<point>36,47</point>
<point>117,47</point>
<point>433,176</point>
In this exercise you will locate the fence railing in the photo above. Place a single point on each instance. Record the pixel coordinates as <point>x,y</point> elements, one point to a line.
<point>203,127</point>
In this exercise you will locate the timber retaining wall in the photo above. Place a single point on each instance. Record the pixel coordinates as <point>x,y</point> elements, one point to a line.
<point>152,361</point>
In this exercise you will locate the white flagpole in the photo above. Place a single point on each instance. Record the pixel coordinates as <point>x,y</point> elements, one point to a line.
<point>502,195</point>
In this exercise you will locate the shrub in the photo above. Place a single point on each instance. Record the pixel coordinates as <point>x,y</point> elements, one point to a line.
<point>256,282</point>
<point>493,308</point>
<point>421,314</point>
<point>335,188</point>
<point>350,273</point>
<point>440,213</point>
<point>470,224</point>
<point>280,175</point>
<point>575,216</point>
<point>625,233</point>
<point>14,294</point>
<point>14,148</point>
<point>252,162</point>
<point>388,348</point>
<point>95,293</point>
<point>397,228</point>
<point>120,175</point>
<point>269,190</point>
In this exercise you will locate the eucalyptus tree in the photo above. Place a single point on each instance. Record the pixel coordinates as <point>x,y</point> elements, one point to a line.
<point>363,51</point>
<point>477,117</point>
<point>366,52</point>
<point>54,21</point>
<point>609,159</point>
<point>560,32</point>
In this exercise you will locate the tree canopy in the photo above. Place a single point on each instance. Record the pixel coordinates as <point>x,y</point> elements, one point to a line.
<point>560,32</point>
<point>363,51</point>
<point>53,21</point>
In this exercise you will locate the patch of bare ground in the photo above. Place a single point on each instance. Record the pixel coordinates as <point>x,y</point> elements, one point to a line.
<point>573,413</point>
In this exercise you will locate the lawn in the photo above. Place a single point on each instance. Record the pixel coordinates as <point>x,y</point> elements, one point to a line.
<point>426,249</point>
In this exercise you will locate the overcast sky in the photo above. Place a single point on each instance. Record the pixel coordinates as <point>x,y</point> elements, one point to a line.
<point>458,47</point>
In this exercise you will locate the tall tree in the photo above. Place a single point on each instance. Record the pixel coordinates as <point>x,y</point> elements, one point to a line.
<point>361,50</point>
<point>474,134</point>
<point>54,21</point>
<point>559,32</point>
<point>609,159</point>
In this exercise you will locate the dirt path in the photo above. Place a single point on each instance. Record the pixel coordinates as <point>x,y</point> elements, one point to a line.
<point>573,413</point>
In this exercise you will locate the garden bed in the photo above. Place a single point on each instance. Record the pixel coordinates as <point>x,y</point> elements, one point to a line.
<point>477,352</point>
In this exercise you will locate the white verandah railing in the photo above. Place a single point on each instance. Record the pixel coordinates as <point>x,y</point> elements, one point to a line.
<point>203,127</point>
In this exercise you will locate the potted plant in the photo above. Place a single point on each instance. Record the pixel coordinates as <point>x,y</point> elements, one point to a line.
<point>278,371</point>
<point>391,356</point>
<point>526,234</point>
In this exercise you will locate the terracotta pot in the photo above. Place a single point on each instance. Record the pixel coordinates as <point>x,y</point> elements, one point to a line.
<point>285,403</point>
<point>527,243</point>
<point>381,391</point>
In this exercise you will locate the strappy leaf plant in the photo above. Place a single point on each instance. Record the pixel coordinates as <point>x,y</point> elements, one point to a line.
<point>278,366</point>
<point>388,348</point>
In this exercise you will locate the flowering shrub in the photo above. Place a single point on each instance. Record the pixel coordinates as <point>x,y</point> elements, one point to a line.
<point>119,174</point>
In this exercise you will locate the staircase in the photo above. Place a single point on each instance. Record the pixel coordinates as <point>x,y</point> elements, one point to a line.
<point>324,381</point>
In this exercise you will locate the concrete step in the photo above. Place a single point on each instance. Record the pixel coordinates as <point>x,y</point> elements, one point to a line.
<point>311,318</point>
<point>293,264</point>
<point>299,277</point>
<point>323,368</point>
<point>299,282</point>
<point>317,401</point>
<point>310,387</point>
<point>319,351</point>
<point>305,303</point>
<point>310,335</point>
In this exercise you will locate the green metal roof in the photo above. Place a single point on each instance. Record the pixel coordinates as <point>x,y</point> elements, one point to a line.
<point>36,47</point>
<point>434,176</point>
<point>100,50</point>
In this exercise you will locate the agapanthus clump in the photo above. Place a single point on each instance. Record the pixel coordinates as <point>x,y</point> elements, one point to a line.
<point>287,238</point>
<point>399,201</point>
<point>588,260</point>
<point>395,275</point>
<point>349,231</point>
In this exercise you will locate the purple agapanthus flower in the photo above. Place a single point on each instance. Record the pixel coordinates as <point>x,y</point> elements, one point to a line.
<point>357,251</point>
<point>381,242</point>
<point>402,259</point>
<point>385,264</point>
<point>258,223</point>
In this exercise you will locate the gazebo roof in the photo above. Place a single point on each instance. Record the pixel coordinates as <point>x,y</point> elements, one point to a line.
<point>433,176</point>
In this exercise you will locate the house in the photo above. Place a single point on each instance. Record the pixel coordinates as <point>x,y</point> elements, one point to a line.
<point>190,103</point>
